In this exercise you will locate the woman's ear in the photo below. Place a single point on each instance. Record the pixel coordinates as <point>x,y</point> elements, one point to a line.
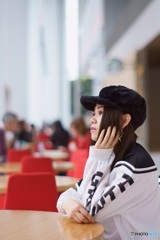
<point>126,118</point>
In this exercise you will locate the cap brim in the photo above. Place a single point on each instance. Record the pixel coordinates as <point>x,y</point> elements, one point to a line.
<point>89,102</point>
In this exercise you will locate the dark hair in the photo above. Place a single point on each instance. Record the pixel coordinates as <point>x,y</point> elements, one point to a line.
<point>113,117</point>
<point>57,124</point>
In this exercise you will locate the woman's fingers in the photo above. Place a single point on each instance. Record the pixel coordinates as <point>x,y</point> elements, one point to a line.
<point>110,136</point>
<point>103,136</point>
<point>86,215</point>
<point>100,139</point>
<point>82,216</point>
<point>107,140</point>
<point>115,141</point>
<point>76,211</point>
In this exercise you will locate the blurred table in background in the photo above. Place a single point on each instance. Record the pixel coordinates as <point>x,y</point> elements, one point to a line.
<point>54,154</point>
<point>10,167</point>
<point>15,167</point>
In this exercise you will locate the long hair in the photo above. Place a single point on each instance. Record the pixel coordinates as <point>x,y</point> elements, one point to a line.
<point>113,117</point>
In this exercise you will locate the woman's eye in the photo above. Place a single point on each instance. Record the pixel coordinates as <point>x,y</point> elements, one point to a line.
<point>97,113</point>
<point>100,112</point>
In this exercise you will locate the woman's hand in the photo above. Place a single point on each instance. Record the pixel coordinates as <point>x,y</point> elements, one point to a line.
<point>77,212</point>
<point>108,140</point>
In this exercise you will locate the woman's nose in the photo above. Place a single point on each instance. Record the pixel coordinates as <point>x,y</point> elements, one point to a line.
<point>92,120</point>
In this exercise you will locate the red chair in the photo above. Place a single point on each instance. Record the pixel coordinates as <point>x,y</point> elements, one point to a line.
<point>42,136</point>
<point>36,164</point>
<point>31,191</point>
<point>2,199</point>
<point>15,155</point>
<point>79,158</point>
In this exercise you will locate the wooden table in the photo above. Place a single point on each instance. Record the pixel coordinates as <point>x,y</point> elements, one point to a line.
<point>33,225</point>
<point>62,183</point>
<point>15,167</point>
<point>54,154</point>
<point>63,166</point>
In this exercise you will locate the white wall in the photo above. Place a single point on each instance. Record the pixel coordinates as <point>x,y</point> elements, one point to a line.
<point>45,60</point>
<point>13,56</point>
<point>32,68</point>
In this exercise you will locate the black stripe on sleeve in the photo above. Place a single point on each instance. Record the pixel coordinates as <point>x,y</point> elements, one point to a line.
<point>134,171</point>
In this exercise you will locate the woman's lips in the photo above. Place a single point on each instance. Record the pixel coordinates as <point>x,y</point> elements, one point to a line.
<point>92,129</point>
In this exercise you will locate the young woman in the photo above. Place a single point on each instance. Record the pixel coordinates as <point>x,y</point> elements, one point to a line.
<point>120,187</point>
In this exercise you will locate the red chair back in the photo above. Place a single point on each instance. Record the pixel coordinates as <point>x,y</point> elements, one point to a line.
<point>2,199</point>
<point>31,191</point>
<point>79,158</point>
<point>15,155</point>
<point>36,164</point>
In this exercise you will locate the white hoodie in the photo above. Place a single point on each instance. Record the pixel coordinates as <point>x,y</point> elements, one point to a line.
<point>126,200</point>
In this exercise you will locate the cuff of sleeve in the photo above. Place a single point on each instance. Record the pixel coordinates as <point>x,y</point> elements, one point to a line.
<point>69,194</point>
<point>100,154</point>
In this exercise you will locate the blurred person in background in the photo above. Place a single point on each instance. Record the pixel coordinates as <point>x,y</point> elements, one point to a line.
<point>8,133</point>
<point>24,136</point>
<point>60,136</point>
<point>34,132</point>
<point>45,132</point>
<point>2,145</point>
<point>80,135</point>
<point>42,137</point>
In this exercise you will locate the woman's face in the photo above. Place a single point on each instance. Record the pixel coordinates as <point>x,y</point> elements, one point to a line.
<point>96,121</point>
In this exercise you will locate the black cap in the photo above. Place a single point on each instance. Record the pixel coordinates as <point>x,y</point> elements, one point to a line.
<point>125,99</point>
